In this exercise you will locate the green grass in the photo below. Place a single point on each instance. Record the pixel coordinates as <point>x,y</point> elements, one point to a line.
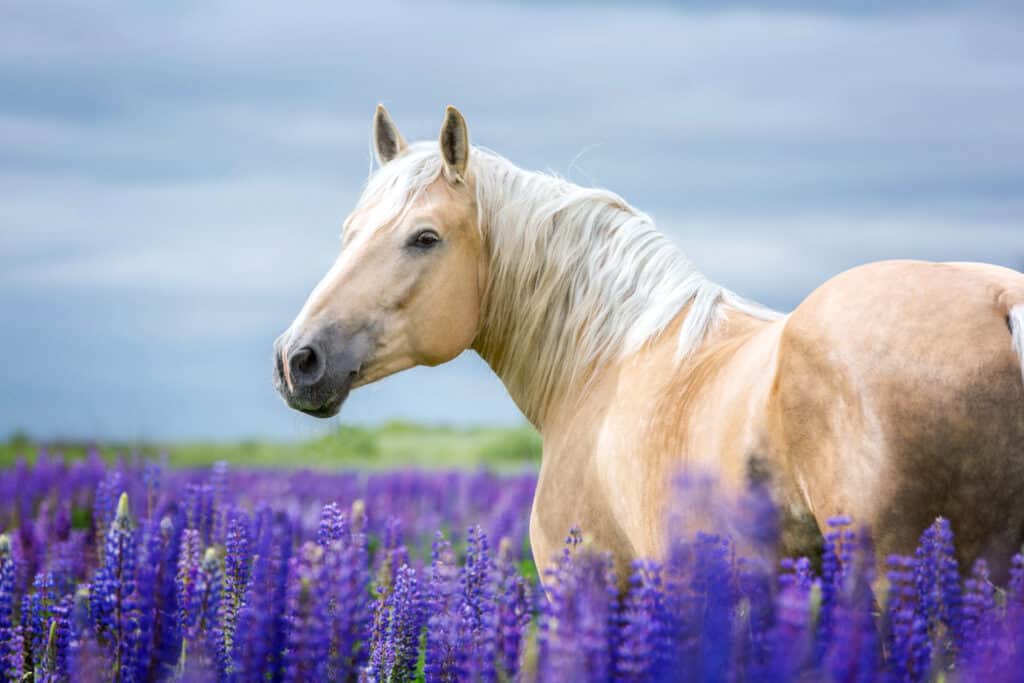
<point>392,445</point>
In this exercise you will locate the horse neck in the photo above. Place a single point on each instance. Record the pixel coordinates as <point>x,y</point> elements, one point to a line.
<point>576,279</point>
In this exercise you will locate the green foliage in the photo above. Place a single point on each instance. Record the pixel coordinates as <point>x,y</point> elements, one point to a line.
<point>511,446</point>
<point>391,445</point>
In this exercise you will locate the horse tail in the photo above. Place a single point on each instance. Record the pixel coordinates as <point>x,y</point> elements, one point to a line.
<point>1015,319</point>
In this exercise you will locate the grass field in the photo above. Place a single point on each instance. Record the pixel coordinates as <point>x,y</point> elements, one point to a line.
<point>395,444</point>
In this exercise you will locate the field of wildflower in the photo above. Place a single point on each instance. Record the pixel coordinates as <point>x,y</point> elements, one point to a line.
<point>138,572</point>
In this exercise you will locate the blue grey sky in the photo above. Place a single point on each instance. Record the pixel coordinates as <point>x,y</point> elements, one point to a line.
<point>173,176</point>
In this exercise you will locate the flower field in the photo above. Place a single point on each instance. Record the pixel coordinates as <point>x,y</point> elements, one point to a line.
<point>137,572</point>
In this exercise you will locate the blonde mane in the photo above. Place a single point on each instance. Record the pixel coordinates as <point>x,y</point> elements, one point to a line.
<point>577,277</point>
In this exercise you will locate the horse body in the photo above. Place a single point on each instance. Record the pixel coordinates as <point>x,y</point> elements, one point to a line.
<point>854,404</point>
<point>899,399</point>
<point>894,393</point>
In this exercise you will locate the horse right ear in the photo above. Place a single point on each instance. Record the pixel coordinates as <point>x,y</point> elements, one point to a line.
<point>388,143</point>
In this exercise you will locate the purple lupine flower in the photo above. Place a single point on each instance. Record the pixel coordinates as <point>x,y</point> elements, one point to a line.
<point>218,494</point>
<point>926,577</point>
<point>1015,588</point>
<point>766,634</point>
<point>62,521</point>
<point>790,641</point>
<point>39,609</point>
<point>199,510</point>
<point>258,655</point>
<point>60,650</point>
<point>50,658</point>
<point>11,651</point>
<point>713,587</point>
<point>151,563</point>
<point>111,596</point>
<point>393,553</point>
<point>643,655</point>
<point>349,614</point>
<point>909,643</point>
<point>478,619</point>
<point>513,613</point>
<point>939,596</point>
<point>105,504</point>
<point>834,558</point>
<point>237,571</point>
<point>397,624</point>
<point>84,655</point>
<point>198,583</point>
<point>755,623</point>
<point>308,638</point>
<point>442,602</point>
<point>333,525</point>
<point>67,557</point>
<point>576,637</point>
<point>978,615</point>
<point>152,476</point>
<point>187,584</point>
<point>948,575</point>
<point>211,582</point>
<point>166,633</point>
<point>853,652</point>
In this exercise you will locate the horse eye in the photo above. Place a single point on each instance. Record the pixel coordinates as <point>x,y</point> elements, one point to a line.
<point>425,239</point>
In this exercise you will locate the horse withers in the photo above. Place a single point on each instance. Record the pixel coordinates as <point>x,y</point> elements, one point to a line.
<point>893,394</point>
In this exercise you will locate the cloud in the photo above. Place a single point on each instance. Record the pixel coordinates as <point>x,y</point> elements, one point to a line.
<point>175,177</point>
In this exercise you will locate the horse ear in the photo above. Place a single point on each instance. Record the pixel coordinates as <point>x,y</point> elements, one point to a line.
<point>454,143</point>
<point>387,141</point>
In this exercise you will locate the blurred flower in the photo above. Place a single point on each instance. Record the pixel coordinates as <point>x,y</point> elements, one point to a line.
<point>309,638</point>
<point>11,650</point>
<point>514,612</point>
<point>258,581</point>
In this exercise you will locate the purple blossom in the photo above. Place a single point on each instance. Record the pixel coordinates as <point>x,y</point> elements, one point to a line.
<point>105,503</point>
<point>577,625</point>
<point>308,630</point>
<point>188,585</point>
<point>979,615</point>
<point>11,650</point>
<point>237,572</point>
<point>397,623</point>
<point>444,635</point>
<point>262,615</point>
<point>258,581</point>
<point>514,611</point>
<point>348,613</point>
<point>333,525</point>
<point>644,643</point>
<point>112,597</point>
<point>854,650</point>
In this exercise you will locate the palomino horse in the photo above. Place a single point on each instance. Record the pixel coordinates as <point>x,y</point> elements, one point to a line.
<point>893,394</point>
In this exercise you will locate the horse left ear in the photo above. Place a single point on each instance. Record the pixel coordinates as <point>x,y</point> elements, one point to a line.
<point>387,141</point>
<point>454,143</point>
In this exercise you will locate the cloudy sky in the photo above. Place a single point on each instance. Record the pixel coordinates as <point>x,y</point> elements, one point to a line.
<point>173,176</point>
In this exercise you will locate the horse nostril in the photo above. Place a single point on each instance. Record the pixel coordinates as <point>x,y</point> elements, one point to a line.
<point>304,359</point>
<point>306,365</point>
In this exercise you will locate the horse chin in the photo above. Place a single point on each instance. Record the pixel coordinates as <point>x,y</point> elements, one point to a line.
<point>332,405</point>
<point>329,409</point>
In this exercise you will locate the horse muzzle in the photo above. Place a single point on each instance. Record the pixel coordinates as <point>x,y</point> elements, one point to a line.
<point>314,373</point>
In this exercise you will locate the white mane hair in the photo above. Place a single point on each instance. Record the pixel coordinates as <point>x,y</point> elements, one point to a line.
<point>576,278</point>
